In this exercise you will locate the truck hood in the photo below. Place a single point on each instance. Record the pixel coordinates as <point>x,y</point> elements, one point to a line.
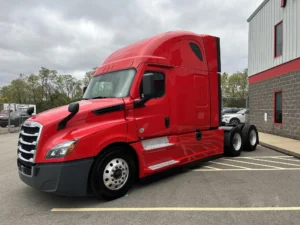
<point>85,109</point>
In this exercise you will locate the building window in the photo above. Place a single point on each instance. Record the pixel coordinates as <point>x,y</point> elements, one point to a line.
<point>159,84</point>
<point>278,39</point>
<point>278,107</point>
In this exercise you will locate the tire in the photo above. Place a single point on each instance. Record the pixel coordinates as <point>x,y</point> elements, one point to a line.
<point>234,121</point>
<point>241,126</point>
<point>112,166</point>
<point>250,137</point>
<point>233,142</point>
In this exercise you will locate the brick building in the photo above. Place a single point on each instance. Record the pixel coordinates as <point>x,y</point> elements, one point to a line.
<point>274,67</point>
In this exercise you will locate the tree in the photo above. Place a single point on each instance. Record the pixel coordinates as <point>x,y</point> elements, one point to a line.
<point>46,90</point>
<point>77,91</point>
<point>6,93</point>
<point>235,89</point>
<point>224,84</point>
<point>35,89</point>
<point>88,76</point>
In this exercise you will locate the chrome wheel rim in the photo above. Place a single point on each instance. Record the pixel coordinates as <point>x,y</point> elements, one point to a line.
<point>115,174</point>
<point>252,137</point>
<point>237,141</point>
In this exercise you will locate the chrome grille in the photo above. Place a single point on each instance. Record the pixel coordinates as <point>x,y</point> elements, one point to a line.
<point>28,141</point>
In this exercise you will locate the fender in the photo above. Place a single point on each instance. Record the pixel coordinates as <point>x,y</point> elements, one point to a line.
<point>135,146</point>
<point>92,138</point>
<point>93,141</point>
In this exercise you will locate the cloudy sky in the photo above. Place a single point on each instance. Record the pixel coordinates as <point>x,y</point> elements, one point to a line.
<point>74,36</point>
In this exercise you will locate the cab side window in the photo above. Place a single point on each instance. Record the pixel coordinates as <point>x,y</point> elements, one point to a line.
<point>159,84</point>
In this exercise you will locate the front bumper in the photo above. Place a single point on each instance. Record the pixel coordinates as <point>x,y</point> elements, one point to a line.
<point>67,178</point>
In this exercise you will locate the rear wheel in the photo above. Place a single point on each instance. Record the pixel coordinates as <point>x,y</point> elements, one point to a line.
<point>250,137</point>
<point>241,126</point>
<point>113,174</point>
<point>233,142</point>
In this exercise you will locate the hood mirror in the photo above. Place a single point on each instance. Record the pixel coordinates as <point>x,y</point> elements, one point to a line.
<point>30,110</point>
<point>73,109</point>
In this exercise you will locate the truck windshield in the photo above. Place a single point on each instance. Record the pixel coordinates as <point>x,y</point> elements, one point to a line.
<point>110,85</point>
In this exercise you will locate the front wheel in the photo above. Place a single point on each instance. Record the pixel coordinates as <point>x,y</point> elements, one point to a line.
<point>113,174</point>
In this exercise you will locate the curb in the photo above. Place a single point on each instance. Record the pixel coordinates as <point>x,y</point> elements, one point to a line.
<point>284,151</point>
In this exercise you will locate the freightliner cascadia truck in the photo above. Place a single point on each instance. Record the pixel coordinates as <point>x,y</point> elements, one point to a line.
<point>150,106</point>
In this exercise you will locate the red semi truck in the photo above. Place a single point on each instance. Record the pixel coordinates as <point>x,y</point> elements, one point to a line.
<point>151,106</point>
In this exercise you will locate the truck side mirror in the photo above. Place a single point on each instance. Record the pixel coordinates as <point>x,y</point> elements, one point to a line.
<point>148,86</point>
<point>73,107</point>
<point>84,89</point>
<point>148,90</point>
<point>30,110</point>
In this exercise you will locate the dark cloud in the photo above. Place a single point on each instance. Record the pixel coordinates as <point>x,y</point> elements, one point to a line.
<point>75,36</point>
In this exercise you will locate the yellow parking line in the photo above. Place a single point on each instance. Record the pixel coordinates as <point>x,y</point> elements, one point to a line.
<point>199,209</point>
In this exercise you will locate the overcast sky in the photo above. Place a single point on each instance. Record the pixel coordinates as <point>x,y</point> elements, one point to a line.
<point>74,36</point>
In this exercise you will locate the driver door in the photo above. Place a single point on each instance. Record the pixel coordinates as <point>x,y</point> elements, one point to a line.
<point>153,119</point>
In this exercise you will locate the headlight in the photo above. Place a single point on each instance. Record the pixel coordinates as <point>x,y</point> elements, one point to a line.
<point>62,149</point>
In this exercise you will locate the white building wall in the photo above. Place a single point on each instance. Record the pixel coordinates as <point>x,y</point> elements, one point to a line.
<point>261,35</point>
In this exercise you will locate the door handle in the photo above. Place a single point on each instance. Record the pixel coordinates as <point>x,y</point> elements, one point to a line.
<point>198,135</point>
<point>167,122</point>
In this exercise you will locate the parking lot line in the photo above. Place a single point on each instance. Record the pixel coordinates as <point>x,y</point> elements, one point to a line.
<point>210,167</point>
<point>294,160</point>
<point>264,169</point>
<point>199,209</point>
<point>284,163</point>
<point>225,164</point>
<point>233,160</point>
<point>266,156</point>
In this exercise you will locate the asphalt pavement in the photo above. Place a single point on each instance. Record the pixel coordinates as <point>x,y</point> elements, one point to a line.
<point>260,187</point>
